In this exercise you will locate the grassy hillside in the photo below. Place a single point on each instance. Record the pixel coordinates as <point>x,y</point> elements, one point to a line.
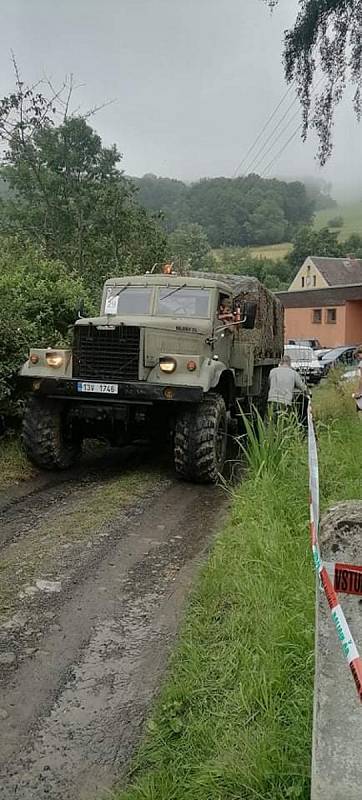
<point>352,218</point>
<point>272,251</point>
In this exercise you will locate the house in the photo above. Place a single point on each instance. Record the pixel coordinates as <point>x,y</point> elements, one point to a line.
<point>324,301</point>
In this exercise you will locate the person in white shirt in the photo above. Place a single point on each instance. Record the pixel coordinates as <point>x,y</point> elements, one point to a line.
<point>283,383</point>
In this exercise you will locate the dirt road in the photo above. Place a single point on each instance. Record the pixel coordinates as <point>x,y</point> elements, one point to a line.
<point>94,570</point>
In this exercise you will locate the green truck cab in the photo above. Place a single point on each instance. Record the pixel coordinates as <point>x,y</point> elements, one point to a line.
<point>168,353</point>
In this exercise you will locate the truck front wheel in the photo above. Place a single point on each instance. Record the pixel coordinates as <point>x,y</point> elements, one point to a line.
<point>200,441</point>
<point>47,439</point>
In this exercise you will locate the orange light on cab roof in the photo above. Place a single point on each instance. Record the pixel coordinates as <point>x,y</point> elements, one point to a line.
<point>191,365</point>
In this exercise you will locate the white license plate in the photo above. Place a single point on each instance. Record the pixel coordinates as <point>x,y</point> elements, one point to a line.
<point>100,388</point>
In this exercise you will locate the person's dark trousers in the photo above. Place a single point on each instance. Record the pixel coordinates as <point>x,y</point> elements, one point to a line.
<point>301,407</point>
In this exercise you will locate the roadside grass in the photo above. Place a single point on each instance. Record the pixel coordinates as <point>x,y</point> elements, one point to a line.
<point>352,218</point>
<point>234,719</point>
<point>14,465</point>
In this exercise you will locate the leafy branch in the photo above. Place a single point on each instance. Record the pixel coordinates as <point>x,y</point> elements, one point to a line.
<point>326,37</point>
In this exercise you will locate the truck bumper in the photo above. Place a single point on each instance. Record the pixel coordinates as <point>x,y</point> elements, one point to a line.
<point>134,392</point>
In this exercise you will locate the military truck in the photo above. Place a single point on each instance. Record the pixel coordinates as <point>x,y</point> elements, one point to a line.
<point>168,353</point>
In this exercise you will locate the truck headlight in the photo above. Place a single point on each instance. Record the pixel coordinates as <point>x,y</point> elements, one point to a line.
<point>167,364</point>
<point>54,359</point>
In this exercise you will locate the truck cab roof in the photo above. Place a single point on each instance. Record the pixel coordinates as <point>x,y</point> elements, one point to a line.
<point>231,284</point>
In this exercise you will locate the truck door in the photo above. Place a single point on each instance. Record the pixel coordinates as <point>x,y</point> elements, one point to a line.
<point>224,315</point>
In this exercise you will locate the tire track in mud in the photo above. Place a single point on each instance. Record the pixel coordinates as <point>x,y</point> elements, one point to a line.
<point>90,657</point>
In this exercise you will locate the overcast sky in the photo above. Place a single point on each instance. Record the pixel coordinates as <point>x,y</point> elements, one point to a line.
<point>193,80</point>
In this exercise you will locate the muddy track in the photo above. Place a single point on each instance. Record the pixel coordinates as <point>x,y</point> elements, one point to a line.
<point>95,570</point>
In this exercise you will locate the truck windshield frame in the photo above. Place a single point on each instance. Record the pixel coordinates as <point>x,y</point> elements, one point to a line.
<point>191,302</point>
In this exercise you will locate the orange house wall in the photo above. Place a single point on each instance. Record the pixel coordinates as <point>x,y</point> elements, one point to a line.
<point>354,322</point>
<point>298,325</point>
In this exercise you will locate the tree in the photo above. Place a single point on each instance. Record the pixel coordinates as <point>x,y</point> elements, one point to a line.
<point>67,192</point>
<point>232,212</point>
<point>39,300</point>
<point>164,196</point>
<point>309,242</point>
<point>319,193</point>
<point>267,224</point>
<point>335,222</point>
<point>190,245</point>
<point>353,245</point>
<point>327,35</point>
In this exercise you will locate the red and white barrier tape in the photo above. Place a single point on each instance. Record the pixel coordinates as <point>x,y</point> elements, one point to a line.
<point>343,631</point>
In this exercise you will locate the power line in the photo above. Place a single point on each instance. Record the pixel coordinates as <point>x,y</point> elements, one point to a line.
<point>266,170</point>
<point>268,121</point>
<point>281,151</point>
<point>277,126</point>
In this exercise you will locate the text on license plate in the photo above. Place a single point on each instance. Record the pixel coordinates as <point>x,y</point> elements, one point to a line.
<point>100,388</point>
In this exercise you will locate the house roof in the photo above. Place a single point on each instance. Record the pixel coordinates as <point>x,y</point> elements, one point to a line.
<point>339,271</point>
<point>315,298</point>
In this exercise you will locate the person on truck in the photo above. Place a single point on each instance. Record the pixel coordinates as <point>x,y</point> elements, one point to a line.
<point>225,312</point>
<point>283,384</point>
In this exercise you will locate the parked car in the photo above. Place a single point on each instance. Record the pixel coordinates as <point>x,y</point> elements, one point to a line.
<point>305,362</point>
<point>350,375</point>
<point>322,352</point>
<point>313,343</point>
<point>339,356</point>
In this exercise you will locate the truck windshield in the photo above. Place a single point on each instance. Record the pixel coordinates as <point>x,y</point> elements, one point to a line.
<point>128,300</point>
<point>183,302</point>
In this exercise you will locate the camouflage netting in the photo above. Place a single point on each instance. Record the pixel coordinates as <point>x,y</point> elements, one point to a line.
<point>268,334</point>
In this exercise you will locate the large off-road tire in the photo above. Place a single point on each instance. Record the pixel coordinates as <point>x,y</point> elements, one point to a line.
<point>200,441</point>
<point>47,441</point>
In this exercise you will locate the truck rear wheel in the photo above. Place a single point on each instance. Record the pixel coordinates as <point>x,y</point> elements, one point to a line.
<point>200,441</point>
<point>47,441</point>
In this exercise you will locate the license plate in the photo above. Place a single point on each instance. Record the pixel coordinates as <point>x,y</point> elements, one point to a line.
<point>99,388</point>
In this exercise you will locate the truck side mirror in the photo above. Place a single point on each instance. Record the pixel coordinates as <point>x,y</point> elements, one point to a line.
<point>249,315</point>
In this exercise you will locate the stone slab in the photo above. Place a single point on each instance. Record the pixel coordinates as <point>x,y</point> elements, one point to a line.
<point>337,729</point>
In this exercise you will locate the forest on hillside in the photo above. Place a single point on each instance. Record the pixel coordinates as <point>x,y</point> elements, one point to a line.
<point>242,211</point>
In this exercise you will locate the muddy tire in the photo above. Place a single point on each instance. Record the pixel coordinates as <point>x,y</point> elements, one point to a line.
<point>200,441</point>
<point>44,436</point>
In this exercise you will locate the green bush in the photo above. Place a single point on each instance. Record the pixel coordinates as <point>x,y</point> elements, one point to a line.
<point>39,298</point>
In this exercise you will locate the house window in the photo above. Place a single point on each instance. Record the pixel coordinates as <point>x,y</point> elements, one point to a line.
<point>317,316</point>
<point>331,316</point>
<point>303,282</point>
<point>314,280</point>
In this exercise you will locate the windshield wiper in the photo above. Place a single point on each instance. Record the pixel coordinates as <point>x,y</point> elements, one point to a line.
<point>173,292</point>
<point>123,289</point>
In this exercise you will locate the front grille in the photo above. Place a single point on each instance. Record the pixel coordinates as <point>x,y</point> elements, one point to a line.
<point>106,355</point>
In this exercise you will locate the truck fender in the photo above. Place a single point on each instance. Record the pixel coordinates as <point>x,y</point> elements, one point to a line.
<point>214,374</point>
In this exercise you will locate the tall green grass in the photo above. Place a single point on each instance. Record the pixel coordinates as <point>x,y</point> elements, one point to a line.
<point>234,719</point>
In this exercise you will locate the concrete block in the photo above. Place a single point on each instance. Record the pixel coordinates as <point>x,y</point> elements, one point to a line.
<point>337,730</point>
